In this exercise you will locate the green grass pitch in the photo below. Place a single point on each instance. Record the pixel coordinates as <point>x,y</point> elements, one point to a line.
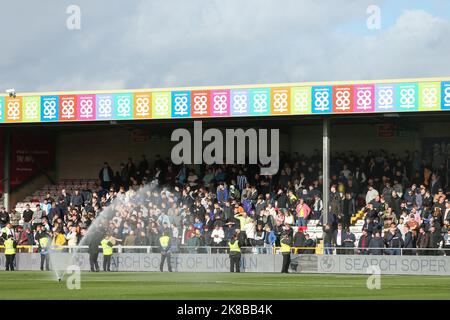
<point>203,286</point>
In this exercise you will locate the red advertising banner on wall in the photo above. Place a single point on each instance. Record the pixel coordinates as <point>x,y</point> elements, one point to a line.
<point>30,153</point>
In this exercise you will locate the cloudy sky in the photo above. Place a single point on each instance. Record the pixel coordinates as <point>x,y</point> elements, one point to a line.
<point>148,43</point>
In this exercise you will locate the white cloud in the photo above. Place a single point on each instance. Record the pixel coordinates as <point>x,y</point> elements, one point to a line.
<point>211,42</point>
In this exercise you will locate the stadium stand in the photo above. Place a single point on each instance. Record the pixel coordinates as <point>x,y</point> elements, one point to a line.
<point>403,198</point>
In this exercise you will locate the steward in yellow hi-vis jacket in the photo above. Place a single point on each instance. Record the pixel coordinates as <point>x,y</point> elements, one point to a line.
<point>286,243</point>
<point>10,252</point>
<point>164,242</point>
<point>235,254</point>
<point>44,241</point>
<point>107,246</point>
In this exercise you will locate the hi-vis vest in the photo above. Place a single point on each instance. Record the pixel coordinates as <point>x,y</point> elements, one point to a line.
<point>234,247</point>
<point>9,247</point>
<point>285,248</point>
<point>164,241</point>
<point>43,242</point>
<point>107,250</point>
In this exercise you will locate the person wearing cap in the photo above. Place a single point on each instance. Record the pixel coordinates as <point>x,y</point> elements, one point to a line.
<point>107,246</point>
<point>286,242</point>
<point>10,252</point>
<point>164,242</point>
<point>235,254</point>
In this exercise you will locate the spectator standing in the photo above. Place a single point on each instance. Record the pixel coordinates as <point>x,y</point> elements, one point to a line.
<point>376,244</point>
<point>364,242</point>
<point>106,176</point>
<point>349,241</point>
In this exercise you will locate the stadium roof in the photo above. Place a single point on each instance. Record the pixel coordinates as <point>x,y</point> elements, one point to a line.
<point>282,99</point>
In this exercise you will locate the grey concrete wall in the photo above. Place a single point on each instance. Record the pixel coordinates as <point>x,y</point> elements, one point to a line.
<point>334,264</point>
<point>150,262</point>
<point>413,265</point>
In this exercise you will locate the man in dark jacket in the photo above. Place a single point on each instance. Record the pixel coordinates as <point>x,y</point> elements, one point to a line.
<point>327,239</point>
<point>349,241</point>
<point>376,244</point>
<point>106,176</point>
<point>364,242</point>
<point>395,204</point>
<point>299,241</point>
<point>63,203</point>
<point>4,217</point>
<point>27,215</point>
<point>76,200</point>
<point>309,243</point>
<point>348,209</point>
<point>335,202</point>
<point>409,241</point>
<point>394,240</point>
<point>94,239</point>
<point>423,241</point>
<point>435,240</point>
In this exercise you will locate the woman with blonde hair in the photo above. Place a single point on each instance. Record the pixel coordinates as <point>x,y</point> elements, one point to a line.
<point>58,240</point>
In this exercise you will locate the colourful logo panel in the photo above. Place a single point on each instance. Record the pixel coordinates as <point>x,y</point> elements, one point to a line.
<point>429,96</point>
<point>364,98</point>
<point>342,99</point>
<point>13,109</point>
<point>280,101</point>
<point>407,97</point>
<point>104,106</point>
<point>301,100</point>
<point>385,97</point>
<point>2,109</point>
<point>31,109</point>
<point>445,95</point>
<point>142,105</point>
<point>49,108</point>
<point>240,103</point>
<point>123,106</point>
<point>67,108</point>
<point>86,107</point>
<point>260,102</point>
<point>181,104</point>
<point>200,104</point>
<point>321,99</point>
<point>161,105</point>
<point>220,103</point>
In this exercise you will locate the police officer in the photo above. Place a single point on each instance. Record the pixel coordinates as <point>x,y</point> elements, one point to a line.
<point>44,243</point>
<point>286,242</point>
<point>10,252</point>
<point>164,242</point>
<point>107,246</point>
<point>235,254</point>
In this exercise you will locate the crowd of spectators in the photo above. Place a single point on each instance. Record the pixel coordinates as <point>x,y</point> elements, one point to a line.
<point>403,199</point>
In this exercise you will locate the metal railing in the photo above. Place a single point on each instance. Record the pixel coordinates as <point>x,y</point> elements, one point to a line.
<point>387,251</point>
<point>246,250</point>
